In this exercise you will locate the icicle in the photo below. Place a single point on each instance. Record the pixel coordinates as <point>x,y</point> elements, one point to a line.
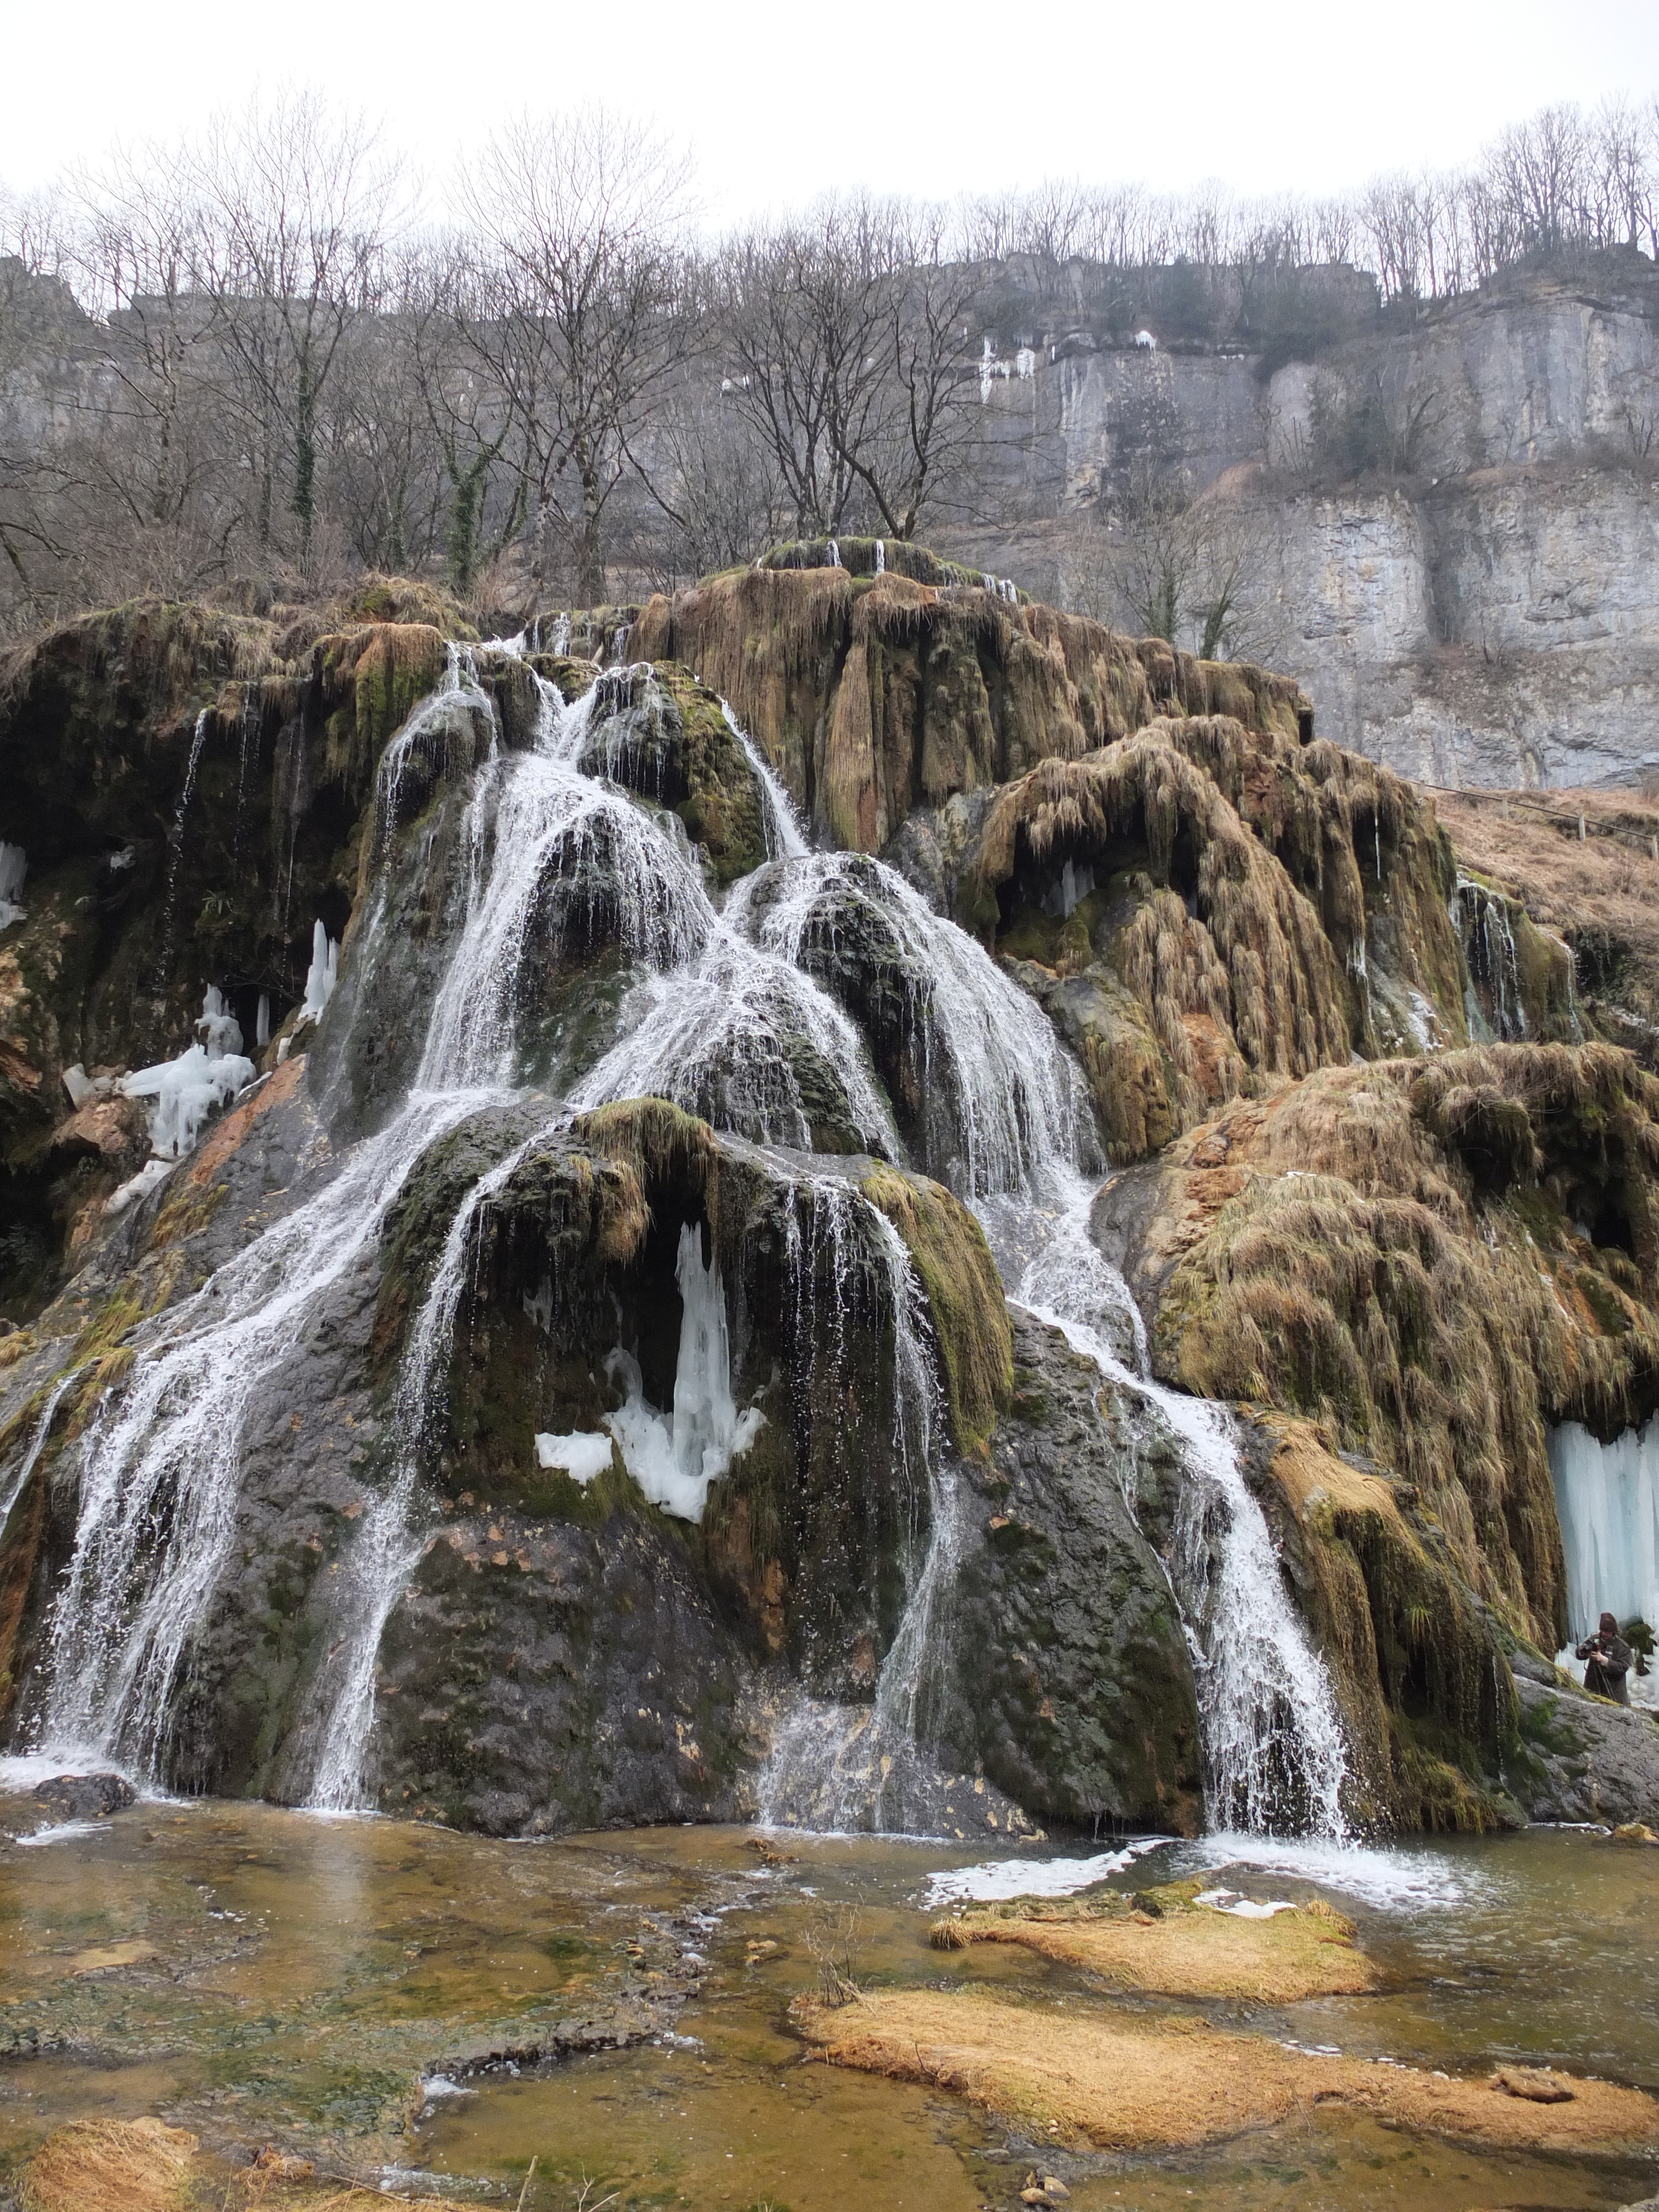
<point>676,1457</point>
<point>14,867</point>
<point>1608,1496</point>
<point>881,556</point>
<point>832,558</point>
<point>321,976</point>
<point>262,1023</point>
<point>1580,830</point>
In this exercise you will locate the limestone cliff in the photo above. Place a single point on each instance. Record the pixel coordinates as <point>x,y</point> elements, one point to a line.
<point>1469,597</point>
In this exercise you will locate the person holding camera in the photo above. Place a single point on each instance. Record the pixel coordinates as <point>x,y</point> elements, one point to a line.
<point>1608,1657</point>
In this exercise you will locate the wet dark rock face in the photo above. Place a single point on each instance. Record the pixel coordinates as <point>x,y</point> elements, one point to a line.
<point>1579,1758</point>
<point>1071,1679</point>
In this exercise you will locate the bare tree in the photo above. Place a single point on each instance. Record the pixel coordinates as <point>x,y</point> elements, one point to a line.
<point>573,315</point>
<point>293,208</point>
<point>849,337</point>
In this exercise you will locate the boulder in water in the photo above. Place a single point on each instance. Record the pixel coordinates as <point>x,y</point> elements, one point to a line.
<point>83,1796</point>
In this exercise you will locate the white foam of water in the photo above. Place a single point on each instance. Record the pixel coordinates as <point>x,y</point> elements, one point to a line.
<point>24,1770</point>
<point>994,1880</point>
<point>1396,1881</point>
<point>66,1831</point>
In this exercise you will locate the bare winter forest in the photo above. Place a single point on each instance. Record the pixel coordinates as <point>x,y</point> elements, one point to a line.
<point>250,364</point>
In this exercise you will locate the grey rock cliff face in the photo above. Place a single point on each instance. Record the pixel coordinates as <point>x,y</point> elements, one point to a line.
<point>1485,610</point>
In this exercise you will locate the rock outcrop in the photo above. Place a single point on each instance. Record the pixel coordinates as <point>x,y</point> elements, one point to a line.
<point>1442,525</point>
<point>607,1430</point>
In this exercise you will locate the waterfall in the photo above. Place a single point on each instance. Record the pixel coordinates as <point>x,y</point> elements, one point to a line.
<point>1482,921</point>
<point>37,1444</point>
<point>199,738</point>
<point>784,840</point>
<point>1608,1499</point>
<point>860,1767</point>
<point>161,1471</point>
<point>745,1015</point>
<point>1019,1100</point>
<point>389,1543</point>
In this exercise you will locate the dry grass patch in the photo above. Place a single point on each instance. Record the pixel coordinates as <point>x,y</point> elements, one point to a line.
<point>111,2166</point>
<point>1601,891</point>
<point>144,2166</point>
<point>1115,2085</point>
<point>1189,1950</point>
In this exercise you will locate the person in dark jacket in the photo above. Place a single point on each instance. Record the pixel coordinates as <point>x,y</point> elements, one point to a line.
<point>1608,1657</point>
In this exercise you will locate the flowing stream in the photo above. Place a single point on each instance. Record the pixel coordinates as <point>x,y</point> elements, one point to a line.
<point>728,1005</point>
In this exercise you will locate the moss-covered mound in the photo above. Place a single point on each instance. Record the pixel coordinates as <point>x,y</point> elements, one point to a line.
<point>874,695</point>
<point>661,733</point>
<point>1112,2083</point>
<point>1432,1261</point>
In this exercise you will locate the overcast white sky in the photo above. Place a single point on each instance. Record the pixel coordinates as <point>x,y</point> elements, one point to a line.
<point>779,99</point>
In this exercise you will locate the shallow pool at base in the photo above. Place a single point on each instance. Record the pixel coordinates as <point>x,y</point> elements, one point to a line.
<point>264,1976</point>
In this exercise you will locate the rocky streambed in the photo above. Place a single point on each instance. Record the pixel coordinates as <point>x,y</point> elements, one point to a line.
<point>216,2003</point>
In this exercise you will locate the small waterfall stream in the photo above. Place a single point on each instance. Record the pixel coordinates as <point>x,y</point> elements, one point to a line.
<point>727,1006</point>
<point>1273,1750</point>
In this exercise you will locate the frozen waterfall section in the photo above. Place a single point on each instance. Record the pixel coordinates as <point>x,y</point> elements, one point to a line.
<point>724,1006</point>
<point>1607,1496</point>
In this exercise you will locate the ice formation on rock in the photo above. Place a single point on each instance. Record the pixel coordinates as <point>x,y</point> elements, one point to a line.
<point>185,1090</point>
<point>676,1457</point>
<point>321,976</point>
<point>14,867</point>
<point>1608,1499</point>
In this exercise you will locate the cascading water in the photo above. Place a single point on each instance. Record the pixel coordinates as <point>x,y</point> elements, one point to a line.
<point>736,1013</point>
<point>1018,1102</point>
<point>164,965</point>
<point>37,1444</point>
<point>784,840</point>
<point>1273,1750</point>
<point>384,1556</point>
<point>850,1767</point>
<point>168,1457</point>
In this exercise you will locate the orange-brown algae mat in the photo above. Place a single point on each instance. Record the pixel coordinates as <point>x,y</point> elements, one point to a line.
<point>1189,1951</point>
<point>1103,2082</point>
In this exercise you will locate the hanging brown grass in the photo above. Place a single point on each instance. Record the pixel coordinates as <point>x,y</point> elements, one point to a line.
<point>1398,1252</point>
<point>1269,976</point>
